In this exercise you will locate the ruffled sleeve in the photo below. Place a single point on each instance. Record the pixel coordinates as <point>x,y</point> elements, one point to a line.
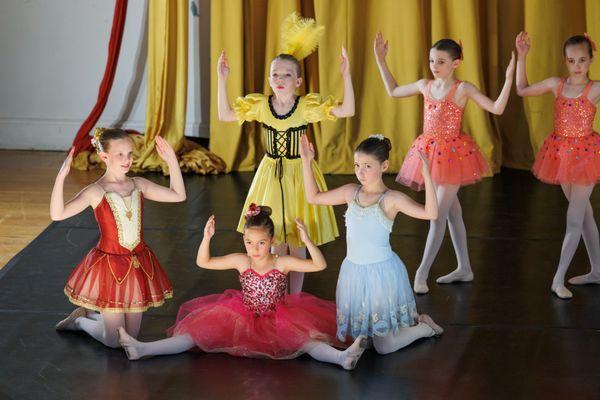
<point>317,109</point>
<point>249,107</point>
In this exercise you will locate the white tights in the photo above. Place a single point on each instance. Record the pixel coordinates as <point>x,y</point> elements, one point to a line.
<point>449,210</point>
<point>580,222</point>
<point>178,344</point>
<point>398,340</point>
<point>296,278</point>
<point>103,327</point>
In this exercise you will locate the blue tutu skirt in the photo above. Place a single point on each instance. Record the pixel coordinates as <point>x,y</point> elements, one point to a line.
<point>374,299</point>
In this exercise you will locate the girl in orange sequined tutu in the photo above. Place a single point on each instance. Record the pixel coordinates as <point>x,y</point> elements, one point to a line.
<point>570,155</point>
<point>455,158</point>
<point>120,277</point>
<point>260,320</point>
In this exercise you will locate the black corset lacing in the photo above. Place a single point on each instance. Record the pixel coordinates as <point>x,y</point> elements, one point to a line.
<point>280,145</point>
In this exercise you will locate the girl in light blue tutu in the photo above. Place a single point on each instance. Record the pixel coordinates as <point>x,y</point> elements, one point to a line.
<point>374,296</point>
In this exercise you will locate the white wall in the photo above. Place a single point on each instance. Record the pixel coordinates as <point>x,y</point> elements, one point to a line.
<point>52,58</point>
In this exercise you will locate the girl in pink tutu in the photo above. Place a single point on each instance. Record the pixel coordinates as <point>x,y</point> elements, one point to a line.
<point>260,320</point>
<point>455,158</point>
<point>570,156</point>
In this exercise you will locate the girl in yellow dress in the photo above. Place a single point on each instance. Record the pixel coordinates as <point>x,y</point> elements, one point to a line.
<point>284,117</point>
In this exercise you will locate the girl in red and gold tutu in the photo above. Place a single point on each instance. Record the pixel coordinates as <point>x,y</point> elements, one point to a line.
<point>570,155</point>
<point>120,277</point>
<point>455,158</point>
<point>260,320</point>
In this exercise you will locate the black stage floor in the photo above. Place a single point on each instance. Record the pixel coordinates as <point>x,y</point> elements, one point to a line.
<point>507,335</point>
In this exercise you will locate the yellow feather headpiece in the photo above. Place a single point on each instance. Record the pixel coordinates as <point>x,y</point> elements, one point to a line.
<point>300,36</point>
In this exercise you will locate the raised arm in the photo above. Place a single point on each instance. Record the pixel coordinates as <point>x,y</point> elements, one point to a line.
<point>313,194</point>
<point>204,260</point>
<point>315,263</point>
<point>495,107</point>
<point>380,48</point>
<point>58,209</point>
<point>346,109</point>
<point>524,89</point>
<point>176,190</point>
<point>404,204</point>
<point>225,111</point>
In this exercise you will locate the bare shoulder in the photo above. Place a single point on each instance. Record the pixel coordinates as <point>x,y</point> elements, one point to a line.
<point>594,93</point>
<point>240,260</point>
<point>422,84</point>
<point>467,87</point>
<point>283,261</point>
<point>95,190</point>
<point>349,187</point>
<point>92,194</point>
<point>349,190</point>
<point>140,182</point>
<point>396,196</point>
<point>553,82</point>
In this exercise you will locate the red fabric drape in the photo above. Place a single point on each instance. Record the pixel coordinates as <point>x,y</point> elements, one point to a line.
<point>82,140</point>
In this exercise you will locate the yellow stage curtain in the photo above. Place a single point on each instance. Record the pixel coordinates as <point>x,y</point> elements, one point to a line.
<point>166,98</point>
<point>249,31</point>
<point>167,92</point>
<point>167,79</point>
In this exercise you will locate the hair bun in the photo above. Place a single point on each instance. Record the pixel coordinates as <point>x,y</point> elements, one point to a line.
<point>388,143</point>
<point>266,210</point>
<point>254,211</point>
<point>383,139</point>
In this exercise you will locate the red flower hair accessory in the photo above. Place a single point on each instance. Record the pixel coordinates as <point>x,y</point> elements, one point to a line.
<point>253,211</point>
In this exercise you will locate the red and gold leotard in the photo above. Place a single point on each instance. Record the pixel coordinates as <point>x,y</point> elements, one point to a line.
<point>120,274</point>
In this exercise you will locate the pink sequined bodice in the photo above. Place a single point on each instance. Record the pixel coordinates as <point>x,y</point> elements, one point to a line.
<point>262,293</point>
<point>442,118</point>
<point>573,117</point>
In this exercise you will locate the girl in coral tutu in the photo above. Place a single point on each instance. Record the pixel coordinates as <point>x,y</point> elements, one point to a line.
<point>455,158</point>
<point>260,320</point>
<point>284,117</point>
<point>120,277</point>
<point>570,156</point>
<point>373,295</point>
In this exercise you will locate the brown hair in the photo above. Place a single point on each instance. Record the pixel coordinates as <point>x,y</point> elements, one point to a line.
<point>578,39</point>
<point>377,146</point>
<point>260,217</point>
<point>102,137</point>
<point>450,47</point>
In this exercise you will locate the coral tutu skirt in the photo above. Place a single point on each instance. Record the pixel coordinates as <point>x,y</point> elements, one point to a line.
<point>221,323</point>
<point>564,160</point>
<point>453,161</point>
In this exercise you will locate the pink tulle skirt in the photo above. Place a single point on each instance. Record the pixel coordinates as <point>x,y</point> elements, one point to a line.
<point>454,161</point>
<point>564,159</point>
<point>220,323</point>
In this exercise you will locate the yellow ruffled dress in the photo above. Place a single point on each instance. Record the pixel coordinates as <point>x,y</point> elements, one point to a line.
<point>279,182</point>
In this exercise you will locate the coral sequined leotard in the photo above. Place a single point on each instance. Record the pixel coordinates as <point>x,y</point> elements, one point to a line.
<point>571,154</point>
<point>454,157</point>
